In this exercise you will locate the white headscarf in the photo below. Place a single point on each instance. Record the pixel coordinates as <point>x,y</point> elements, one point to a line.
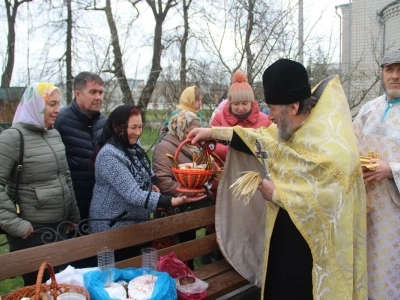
<point>31,108</point>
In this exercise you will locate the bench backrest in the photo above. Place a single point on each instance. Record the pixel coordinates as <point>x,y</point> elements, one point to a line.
<point>64,252</point>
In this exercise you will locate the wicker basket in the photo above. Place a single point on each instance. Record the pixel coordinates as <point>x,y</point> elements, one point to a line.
<point>219,167</point>
<point>192,180</point>
<point>53,288</point>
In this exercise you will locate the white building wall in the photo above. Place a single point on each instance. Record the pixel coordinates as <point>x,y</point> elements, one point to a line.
<point>364,41</point>
<point>391,17</point>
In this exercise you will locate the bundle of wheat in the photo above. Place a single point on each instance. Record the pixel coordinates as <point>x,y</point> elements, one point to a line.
<point>246,185</point>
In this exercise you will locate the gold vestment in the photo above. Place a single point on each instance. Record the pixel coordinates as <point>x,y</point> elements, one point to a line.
<point>318,179</point>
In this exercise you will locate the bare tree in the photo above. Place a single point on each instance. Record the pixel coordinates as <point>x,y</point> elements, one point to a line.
<point>159,14</point>
<point>11,10</point>
<point>250,34</point>
<point>185,37</point>
<point>68,53</point>
<point>320,66</point>
<point>253,28</point>
<point>118,65</point>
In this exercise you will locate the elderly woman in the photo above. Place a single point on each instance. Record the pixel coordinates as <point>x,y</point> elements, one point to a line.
<point>45,196</point>
<point>178,129</point>
<point>124,179</point>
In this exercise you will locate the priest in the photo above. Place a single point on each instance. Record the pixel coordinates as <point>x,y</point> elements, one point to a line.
<point>308,239</point>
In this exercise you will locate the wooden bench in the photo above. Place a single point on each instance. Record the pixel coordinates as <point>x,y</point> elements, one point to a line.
<point>222,278</point>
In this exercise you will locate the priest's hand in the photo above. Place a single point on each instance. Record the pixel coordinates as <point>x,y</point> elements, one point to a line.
<point>383,171</point>
<point>266,188</point>
<point>199,135</point>
<point>155,188</point>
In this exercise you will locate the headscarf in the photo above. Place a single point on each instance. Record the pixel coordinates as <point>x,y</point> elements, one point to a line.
<point>32,107</point>
<point>187,100</point>
<point>181,122</point>
<point>116,126</point>
<point>115,133</point>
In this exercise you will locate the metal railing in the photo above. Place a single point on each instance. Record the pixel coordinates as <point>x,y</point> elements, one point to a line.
<point>51,235</point>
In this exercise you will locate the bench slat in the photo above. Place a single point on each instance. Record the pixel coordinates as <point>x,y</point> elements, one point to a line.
<point>28,260</point>
<point>211,270</point>
<point>224,283</point>
<point>194,248</point>
<point>221,277</point>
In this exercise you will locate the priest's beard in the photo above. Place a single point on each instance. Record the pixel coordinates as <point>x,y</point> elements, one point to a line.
<point>285,129</point>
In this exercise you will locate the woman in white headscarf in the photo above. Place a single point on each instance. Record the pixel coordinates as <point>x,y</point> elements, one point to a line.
<point>44,194</point>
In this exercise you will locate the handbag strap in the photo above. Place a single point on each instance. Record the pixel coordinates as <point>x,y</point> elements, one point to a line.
<point>19,168</point>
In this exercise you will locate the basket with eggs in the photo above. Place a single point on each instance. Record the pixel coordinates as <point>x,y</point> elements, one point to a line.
<point>192,176</point>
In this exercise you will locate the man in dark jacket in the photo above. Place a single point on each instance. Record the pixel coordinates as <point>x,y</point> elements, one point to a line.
<point>80,125</point>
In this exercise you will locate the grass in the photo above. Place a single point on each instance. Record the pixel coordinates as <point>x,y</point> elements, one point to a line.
<point>163,115</point>
<point>197,260</point>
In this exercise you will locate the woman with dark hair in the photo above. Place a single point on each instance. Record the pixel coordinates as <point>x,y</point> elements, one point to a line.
<point>124,177</point>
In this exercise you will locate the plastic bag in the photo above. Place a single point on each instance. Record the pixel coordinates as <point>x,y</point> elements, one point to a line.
<point>173,266</point>
<point>194,291</point>
<point>176,268</point>
<point>164,288</point>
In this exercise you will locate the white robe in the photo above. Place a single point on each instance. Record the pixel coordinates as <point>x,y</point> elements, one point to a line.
<point>383,220</point>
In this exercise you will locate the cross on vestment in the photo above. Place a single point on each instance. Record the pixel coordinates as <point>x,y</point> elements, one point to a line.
<point>262,155</point>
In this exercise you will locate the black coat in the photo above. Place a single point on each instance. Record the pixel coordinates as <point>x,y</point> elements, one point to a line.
<point>80,136</point>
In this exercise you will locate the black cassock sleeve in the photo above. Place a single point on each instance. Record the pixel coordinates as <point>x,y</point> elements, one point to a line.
<point>238,144</point>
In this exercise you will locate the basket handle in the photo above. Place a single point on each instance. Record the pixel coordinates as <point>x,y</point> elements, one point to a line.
<point>180,147</point>
<point>216,157</point>
<point>39,279</point>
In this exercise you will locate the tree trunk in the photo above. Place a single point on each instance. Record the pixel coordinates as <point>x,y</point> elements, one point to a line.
<point>11,16</point>
<point>157,50</point>
<point>183,44</point>
<point>118,64</point>
<point>69,53</point>
<point>249,30</point>
<point>155,69</point>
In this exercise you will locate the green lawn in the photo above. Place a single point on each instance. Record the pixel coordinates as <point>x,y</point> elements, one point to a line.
<point>197,260</point>
<point>162,115</point>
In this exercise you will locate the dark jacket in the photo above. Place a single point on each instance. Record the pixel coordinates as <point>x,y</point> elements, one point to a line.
<point>80,136</point>
<point>45,192</point>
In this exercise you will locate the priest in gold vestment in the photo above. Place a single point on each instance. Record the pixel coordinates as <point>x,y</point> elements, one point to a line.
<point>314,242</point>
